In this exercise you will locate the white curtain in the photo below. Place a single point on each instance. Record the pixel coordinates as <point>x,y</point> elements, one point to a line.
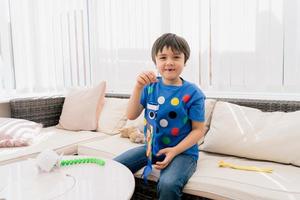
<point>253,47</point>
<point>123,31</point>
<point>50,44</point>
<point>239,46</point>
<point>6,58</point>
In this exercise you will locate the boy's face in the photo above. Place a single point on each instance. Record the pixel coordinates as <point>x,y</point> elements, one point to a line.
<point>170,65</point>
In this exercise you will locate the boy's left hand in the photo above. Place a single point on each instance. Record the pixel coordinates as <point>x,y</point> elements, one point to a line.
<point>170,153</point>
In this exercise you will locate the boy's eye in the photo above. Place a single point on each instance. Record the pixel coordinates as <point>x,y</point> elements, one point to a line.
<point>162,58</point>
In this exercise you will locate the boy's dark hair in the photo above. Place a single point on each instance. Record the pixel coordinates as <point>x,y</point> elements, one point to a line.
<point>175,42</point>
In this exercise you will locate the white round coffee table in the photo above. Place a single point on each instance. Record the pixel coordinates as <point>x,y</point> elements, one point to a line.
<point>22,180</point>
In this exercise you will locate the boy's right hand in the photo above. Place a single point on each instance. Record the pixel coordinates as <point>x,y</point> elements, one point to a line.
<point>146,78</point>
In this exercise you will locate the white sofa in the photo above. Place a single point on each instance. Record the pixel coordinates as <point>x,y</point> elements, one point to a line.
<point>213,182</point>
<point>209,180</point>
<point>62,141</point>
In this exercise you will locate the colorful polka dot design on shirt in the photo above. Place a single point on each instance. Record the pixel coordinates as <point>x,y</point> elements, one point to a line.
<point>172,115</point>
<point>166,140</point>
<point>168,110</point>
<point>161,100</point>
<point>175,131</point>
<point>174,101</point>
<point>186,98</point>
<point>163,123</point>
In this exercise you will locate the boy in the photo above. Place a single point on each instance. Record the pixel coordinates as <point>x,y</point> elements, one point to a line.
<point>174,113</point>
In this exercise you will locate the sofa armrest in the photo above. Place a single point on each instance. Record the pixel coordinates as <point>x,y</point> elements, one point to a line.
<point>41,110</point>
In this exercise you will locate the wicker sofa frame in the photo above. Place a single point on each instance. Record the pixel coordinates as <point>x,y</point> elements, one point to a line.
<point>47,111</point>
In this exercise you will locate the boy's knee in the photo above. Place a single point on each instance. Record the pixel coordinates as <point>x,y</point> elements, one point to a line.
<point>169,189</point>
<point>120,159</point>
<point>168,184</point>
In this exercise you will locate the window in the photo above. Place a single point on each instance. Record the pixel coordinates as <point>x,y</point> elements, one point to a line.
<point>252,47</point>
<point>237,46</point>
<point>123,31</point>
<point>50,45</point>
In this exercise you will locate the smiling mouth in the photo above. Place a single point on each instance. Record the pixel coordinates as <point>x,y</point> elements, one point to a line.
<point>169,70</point>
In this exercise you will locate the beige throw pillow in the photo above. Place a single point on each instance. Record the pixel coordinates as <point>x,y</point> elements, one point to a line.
<point>82,108</point>
<point>113,116</point>
<point>251,133</point>
<point>209,107</point>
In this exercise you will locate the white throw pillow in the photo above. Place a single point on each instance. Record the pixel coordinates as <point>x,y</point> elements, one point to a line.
<point>17,132</point>
<point>113,116</point>
<point>251,133</point>
<point>82,108</point>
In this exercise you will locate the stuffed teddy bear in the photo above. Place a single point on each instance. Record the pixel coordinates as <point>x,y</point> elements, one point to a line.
<point>133,133</point>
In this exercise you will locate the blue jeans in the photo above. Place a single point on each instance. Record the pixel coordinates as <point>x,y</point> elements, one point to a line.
<point>172,179</point>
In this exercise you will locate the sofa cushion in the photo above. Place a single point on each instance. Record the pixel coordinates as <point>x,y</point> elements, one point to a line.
<point>17,132</point>
<point>214,182</point>
<point>108,148</point>
<point>251,133</point>
<point>111,147</point>
<point>113,116</point>
<point>82,107</point>
<point>62,141</point>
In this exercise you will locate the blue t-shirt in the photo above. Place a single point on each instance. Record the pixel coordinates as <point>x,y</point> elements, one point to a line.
<point>170,110</point>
